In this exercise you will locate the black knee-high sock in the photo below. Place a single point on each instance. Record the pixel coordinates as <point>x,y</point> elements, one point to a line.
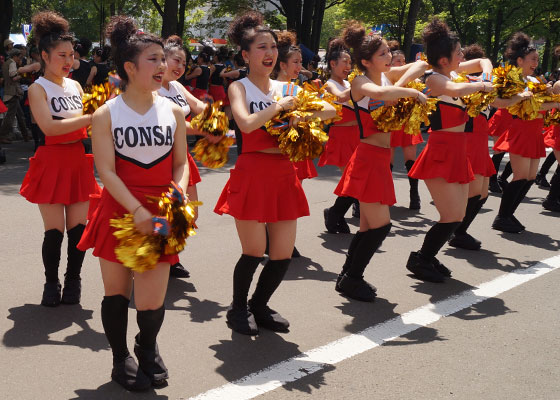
<point>341,205</point>
<point>269,280</point>
<point>412,181</point>
<point>75,256</point>
<point>242,278</point>
<point>509,196</point>
<point>522,193</point>
<point>497,159</point>
<point>114,316</point>
<point>470,213</point>
<point>554,194</point>
<point>507,171</point>
<point>547,164</point>
<point>149,322</point>
<point>436,237</point>
<point>351,250</point>
<point>52,243</point>
<point>369,243</point>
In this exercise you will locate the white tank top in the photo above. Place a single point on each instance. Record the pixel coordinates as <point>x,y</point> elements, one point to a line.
<point>255,99</point>
<point>456,101</point>
<point>365,102</point>
<point>175,94</point>
<point>146,139</point>
<point>342,88</point>
<point>64,101</point>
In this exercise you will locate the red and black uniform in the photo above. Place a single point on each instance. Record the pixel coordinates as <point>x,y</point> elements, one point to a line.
<point>477,145</point>
<point>262,186</point>
<point>343,140</point>
<point>200,84</point>
<point>143,161</point>
<point>445,154</point>
<point>61,172</point>
<point>217,88</point>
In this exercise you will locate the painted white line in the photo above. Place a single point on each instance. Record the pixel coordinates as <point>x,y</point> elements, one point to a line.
<point>314,360</point>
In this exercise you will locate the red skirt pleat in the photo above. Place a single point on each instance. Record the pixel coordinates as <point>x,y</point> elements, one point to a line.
<point>60,174</point>
<point>194,174</point>
<point>523,138</point>
<point>305,169</point>
<point>342,142</point>
<point>401,139</point>
<point>478,154</point>
<point>445,156</point>
<point>98,234</point>
<point>217,92</point>
<point>368,176</point>
<point>263,187</point>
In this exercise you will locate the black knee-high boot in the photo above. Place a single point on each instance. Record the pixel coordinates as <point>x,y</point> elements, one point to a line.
<point>146,348</point>
<point>352,283</point>
<point>271,276</point>
<point>522,193</point>
<point>414,195</point>
<point>494,187</point>
<point>114,316</point>
<point>503,177</point>
<point>541,176</point>
<point>72,281</point>
<point>349,257</point>
<point>503,221</point>
<point>460,237</point>
<point>52,243</point>
<point>238,318</point>
<point>334,216</point>
<point>552,202</point>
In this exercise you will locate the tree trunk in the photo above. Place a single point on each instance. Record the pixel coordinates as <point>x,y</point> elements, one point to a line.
<point>181,23</point>
<point>410,26</point>
<point>497,34</point>
<point>304,35</point>
<point>6,14</point>
<point>317,24</point>
<point>169,20</point>
<point>546,54</point>
<point>488,36</point>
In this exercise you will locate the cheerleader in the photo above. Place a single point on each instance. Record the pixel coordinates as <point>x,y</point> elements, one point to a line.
<point>479,158</point>
<point>81,67</point>
<point>344,135</point>
<point>552,201</point>
<point>287,69</point>
<point>201,75</point>
<point>175,57</point>
<point>140,147</point>
<point>60,177</point>
<point>523,140</point>
<point>100,68</point>
<point>216,89</point>
<point>443,164</point>
<point>368,175</point>
<point>263,190</point>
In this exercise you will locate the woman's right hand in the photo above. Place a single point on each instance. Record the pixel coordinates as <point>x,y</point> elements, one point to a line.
<point>422,98</point>
<point>143,221</point>
<point>486,86</point>
<point>287,103</point>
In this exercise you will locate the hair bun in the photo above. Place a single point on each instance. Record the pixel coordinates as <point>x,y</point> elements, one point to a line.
<point>120,29</point>
<point>337,45</point>
<point>174,40</point>
<point>47,23</point>
<point>354,34</point>
<point>286,39</point>
<point>519,41</point>
<point>243,23</point>
<point>435,30</point>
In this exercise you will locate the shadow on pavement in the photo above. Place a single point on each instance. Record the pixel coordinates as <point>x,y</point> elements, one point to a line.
<point>33,325</point>
<point>112,390</point>
<point>533,239</point>
<point>338,242</point>
<point>199,310</point>
<point>486,259</point>
<point>303,268</point>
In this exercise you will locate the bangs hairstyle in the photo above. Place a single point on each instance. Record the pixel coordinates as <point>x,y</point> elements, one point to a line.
<point>473,51</point>
<point>439,40</point>
<point>127,43</point>
<point>518,46</point>
<point>363,46</point>
<point>335,50</point>
<point>286,48</point>
<point>49,29</point>
<point>244,29</point>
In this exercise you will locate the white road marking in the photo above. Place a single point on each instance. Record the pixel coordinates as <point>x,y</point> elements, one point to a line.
<point>317,359</point>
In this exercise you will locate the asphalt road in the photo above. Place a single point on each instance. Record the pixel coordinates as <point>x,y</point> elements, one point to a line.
<point>503,347</point>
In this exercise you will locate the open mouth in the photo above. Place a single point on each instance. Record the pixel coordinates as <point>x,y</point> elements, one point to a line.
<point>158,78</point>
<point>177,73</point>
<point>267,63</point>
<point>66,69</point>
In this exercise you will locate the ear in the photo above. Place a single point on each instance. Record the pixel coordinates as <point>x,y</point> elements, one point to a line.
<point>443,62</point>
<point>332,63</point>
<point>129,67</point>
<point>366,63</point>
<point>283,65</point>
<point>519,61</point>
<point>44,56</point>
<point>245,56</point>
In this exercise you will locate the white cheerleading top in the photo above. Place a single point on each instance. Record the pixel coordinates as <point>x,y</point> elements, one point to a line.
<point>342,88</point>
<point>256,100</point>
<point>64,101</point>
<point>175,94</point>
<point>144,140</point>
<point>364,102</point>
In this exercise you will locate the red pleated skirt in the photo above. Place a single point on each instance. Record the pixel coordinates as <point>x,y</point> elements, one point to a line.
<point>98,234</point>
<point>368,176</point>
<point>217,92</point>
<point>445,156</point>
<point>3,107</point>
<point>499,122</point>
<point>305,169</point>
<point>478,154</point>
<point>194,174</point>
<point>200,94</point>
<point>59,174</point>
<point>552,137</point>
<point>342,142</point>
<point>263,187</point>
<point>523,138</point>
<point>401,139</point>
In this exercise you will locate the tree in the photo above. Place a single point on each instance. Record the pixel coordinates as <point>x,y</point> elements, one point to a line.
<point>6,13</point>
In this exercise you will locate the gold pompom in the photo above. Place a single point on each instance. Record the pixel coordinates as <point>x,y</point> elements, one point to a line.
<point>529,108</point>
<point>508,80</point>
<point>95,96</point>
<point>213,155</point>
<point>212,120</point>
<point>355,72</point>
